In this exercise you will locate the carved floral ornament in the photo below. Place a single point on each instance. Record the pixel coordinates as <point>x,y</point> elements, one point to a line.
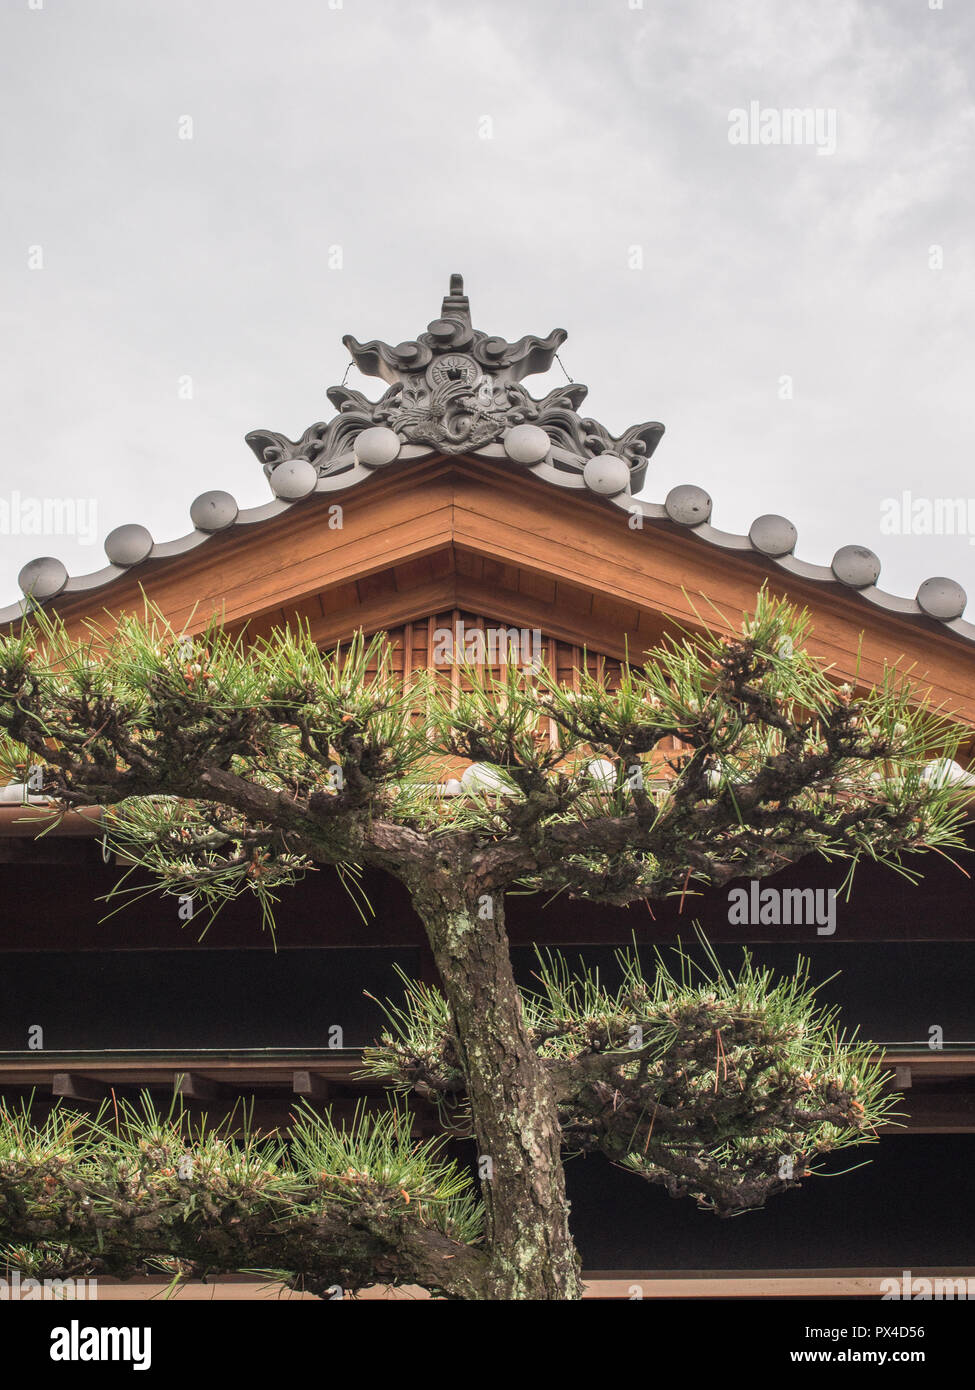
<point>456,390</point>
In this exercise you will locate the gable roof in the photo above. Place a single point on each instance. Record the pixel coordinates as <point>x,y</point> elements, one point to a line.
<point>455,393</point>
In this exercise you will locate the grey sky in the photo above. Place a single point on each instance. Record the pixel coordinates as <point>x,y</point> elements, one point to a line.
<point>363,127</point>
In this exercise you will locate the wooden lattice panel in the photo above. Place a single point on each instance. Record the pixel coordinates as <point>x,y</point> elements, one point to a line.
<point>421,645</point>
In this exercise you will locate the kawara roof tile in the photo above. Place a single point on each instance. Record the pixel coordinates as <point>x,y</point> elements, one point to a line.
<point>456,390</point>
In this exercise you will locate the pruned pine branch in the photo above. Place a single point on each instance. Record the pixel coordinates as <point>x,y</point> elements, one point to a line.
<point>723,1087</point>
<point>225,768</point>
<point>286,757</point>
<point>419,1051</point>
<point>121,1192</point>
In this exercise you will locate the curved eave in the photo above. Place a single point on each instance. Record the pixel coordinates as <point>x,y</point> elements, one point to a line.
<point>560,469</point>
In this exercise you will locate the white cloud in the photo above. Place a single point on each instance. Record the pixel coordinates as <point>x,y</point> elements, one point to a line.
<point>359,127</point>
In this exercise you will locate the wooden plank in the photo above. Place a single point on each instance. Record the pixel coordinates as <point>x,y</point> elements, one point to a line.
<point>414,572</point>
<point>574,598</point>
<point>274,567</point>
<point>521,527</point>
<point>620,617</point>
<point>598,1284</point>
<point>312,1084</point>
<point>928,1062</point>
<point>496,575</point>
<point>381,585</point>
<point>945,1104</point>
<point>283,578</point>
<point>555,620</point>
<point>235,1068</point>
<point>668,572</point>
<point>308,608</point>
<point>382,613</point>
<point>537,586</point>
<point>27,821</point>
<point>274,621</point>
<point>76,1086</point>
<point>469,564</point>
<point>340,599</point>
<point>192,1086</point>
<point>839,1283</point>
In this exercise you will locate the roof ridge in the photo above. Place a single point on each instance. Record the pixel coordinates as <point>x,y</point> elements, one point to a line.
<point>455,390</point>
<point>770,537</point>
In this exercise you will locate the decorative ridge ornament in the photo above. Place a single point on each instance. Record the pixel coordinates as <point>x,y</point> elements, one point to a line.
<point>453,334</point>
<point>456,389</point>
<point>491,418</point>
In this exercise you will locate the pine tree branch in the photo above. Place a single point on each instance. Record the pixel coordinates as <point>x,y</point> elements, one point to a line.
<point>351,1209</point>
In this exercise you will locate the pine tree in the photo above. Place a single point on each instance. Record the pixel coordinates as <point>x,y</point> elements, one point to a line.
<point>226,768</point>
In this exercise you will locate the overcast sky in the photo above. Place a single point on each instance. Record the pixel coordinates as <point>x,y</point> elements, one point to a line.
<point>546,149</point>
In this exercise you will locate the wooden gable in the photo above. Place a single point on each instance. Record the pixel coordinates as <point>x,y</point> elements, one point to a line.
<point>468,535</point>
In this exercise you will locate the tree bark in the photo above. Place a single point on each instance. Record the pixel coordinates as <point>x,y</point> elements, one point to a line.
<point>530,1250</point>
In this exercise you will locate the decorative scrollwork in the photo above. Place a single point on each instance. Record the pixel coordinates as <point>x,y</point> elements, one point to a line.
<point>455,389</point>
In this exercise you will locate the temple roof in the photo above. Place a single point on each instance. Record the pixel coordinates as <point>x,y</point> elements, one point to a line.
<point>455,390</point>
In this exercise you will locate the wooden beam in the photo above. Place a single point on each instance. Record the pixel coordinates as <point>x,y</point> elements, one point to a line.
<point>598,1284</point>
<point>311,1084</point>
<point>246,1066</point>
<point>834,1283</point>
<point>192,1086</point>
<point>76,1086</point>
<point>518,522</point>
<point>926,1063</point>
<point>939,1100</point>
<point>26,822</point>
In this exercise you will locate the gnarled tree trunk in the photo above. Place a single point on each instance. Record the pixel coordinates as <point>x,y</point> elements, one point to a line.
<point>530,1250</point>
